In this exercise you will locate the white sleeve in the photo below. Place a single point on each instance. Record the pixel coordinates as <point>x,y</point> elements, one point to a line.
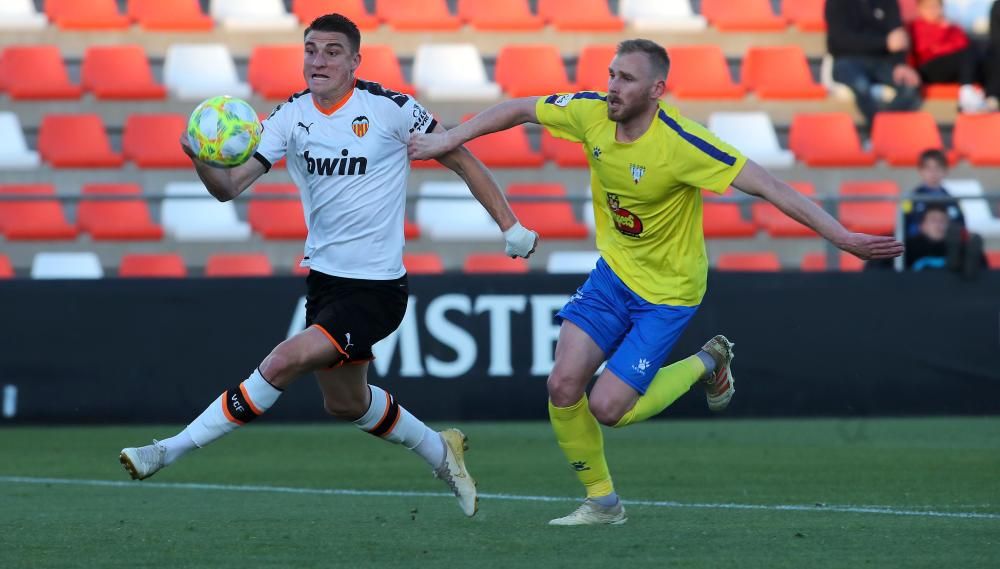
<point>413,118</point>
<point>274,138</point>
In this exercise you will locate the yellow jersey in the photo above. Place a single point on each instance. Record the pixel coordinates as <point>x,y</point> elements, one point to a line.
<point>647,193</point>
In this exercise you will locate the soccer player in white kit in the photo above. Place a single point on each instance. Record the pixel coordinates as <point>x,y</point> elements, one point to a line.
<point>345,140</point>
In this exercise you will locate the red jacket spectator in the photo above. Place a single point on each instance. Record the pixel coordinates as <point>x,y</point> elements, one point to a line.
<point>935,39</point>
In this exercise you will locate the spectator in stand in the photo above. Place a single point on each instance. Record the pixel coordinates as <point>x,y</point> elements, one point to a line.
<point>932,167</point>
<point>942,53</point>
<point>992,65</point>
<point>869,45</point>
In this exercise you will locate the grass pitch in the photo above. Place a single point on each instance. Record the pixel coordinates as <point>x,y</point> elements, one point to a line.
<point>781,493</point>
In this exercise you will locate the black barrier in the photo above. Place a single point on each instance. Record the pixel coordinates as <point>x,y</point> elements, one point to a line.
<point>858,344</point>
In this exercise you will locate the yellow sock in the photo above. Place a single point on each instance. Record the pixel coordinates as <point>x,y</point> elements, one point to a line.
<point>667,386</point>
<point>580,438</point>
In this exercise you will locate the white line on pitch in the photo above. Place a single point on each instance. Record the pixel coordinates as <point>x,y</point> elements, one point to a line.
<point>886,510</point>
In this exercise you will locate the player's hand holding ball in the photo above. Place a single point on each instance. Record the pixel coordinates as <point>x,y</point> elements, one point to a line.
<point>223,131</point>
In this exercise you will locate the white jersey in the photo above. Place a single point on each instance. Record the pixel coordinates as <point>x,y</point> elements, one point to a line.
<point>350,165</point>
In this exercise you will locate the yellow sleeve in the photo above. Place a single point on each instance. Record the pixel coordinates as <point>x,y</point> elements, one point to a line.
<point>562,114</point>
<point>701,159</point>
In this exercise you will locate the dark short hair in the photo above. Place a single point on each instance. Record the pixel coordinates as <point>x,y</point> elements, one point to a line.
<point>939,207</point>
<point>657,55</point>
<point>933,154</point>
<point>337,23</point>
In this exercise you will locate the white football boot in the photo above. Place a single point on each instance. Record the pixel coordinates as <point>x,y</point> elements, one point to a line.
<point>591,513</point>
<point>143,462</point>
<point>453,472</point>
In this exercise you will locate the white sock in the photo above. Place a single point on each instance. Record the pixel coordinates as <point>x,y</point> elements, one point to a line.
<point>177,446</point>
<point>387,419</point>
<point>235,407</point>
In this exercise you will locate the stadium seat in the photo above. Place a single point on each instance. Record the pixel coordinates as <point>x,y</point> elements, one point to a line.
<point>972,15</point>
<point>816,261</point>
<point>724,220</point>
<point>309,10</point>
<point>807,15</point>
<point>827,140</point>
<point>35,72</point>
<point>76,141</point>
<point>14,152</point>
<point>673,15</point>
<point>592,67</point>
<point>499,15</point>
<point>753,134</point>
<point>275,71</point>
<point>526,70</point>
<point>875,217</point>
<point>252,14</point>
<point>20,15</point>
<point>900,137</point>
<point>508,148</point>
<point>191,214</point>
<point>571,262</point>
<point>701,72</point>
<point>550,219</point>
<point>447,211</point>
<point>33,219</point>
<point>580,15</point>
<point>86,14</point>
<point>974,138</point>
<point>6,269</point>
<point>780,72</point>
<point>116,220</point>
<point>119,72</point>
<point>199,71</point>
<point>58,265</point>
<point>992,259</point>
<point>151,141</point>
<point>452,72</point>
<point>152,265</point>
<point>238,265</point>
<point>170,15</point>
<point>759,262</point>
<point>492,263</point>
<point>379,64</point>
<point>277,219</point>
<point>564,153</point>
<point>742,15</point>
<point>410,230</point>
<point>941,91</point>
<point>423,263</point>
<point>775,222</point>
<point>978,213</point>
<point>417,15</point>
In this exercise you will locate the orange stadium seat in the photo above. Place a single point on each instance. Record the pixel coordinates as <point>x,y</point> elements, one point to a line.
<point>275,71</point>
<point>780,72</point>
<point>238,265</point>
<point>309,10</point>
<point>701,72</point>
<point>6,269</point>
<point>35,72</point>
<point>417,15</point>
<point>86,14</point>
<point>974,138</point>
<point>942,91</point>
<point>151,141</point>
<point>900,137</point>
<point>170,15</point>
<point>742,15</point>
<point>117,220</point>
<point>423,263</point>
<point>775,222</point>
<point>33,219</point>
<point>564,153</point>
<point>993,259</point>
<point>410,230</point>
<point>76,141</point>
<point>492,263</point>
<point>380,64</point>
<point>827,139</point>
<point>592,67</point>
<point>876,217</point>
<point>528,70</point>
<point>550,219</point>
<point>580,15</point>
<point>499,15</point>
<point>277,219</point>
<point>119,72</point>
<point>765,261</point>
<point>724,220</point>
<point>152,265</point>
<point>807,15</point>
<point>505,149</point>
<point>816,261</point>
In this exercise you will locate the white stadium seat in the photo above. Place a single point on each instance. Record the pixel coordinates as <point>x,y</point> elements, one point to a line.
<point>572,262</point>
<point>253,14</point>
<point>81,265</point>
<point>20,15</point>
<point>14,151</point>
<point>199,218</point>
<point>199,71</point>
<point>459,218</point>
<point>973,15</point>
<point>674,15</point>
<point>752,133</point>
<point>452,72</point>
<point>978,215</point>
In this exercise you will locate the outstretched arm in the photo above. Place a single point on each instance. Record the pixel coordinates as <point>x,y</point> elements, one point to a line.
<point>224,183</point>
<point>498,117</point>
<point>756,181</point>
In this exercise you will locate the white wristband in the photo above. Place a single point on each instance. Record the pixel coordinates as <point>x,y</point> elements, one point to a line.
<point>520,241</point>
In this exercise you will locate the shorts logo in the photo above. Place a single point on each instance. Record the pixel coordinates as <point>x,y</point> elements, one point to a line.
<point>576,296</point>
<point>349,344</point>
<point>626,222</point>
<point>641,366</point>
<point>360,126</point>
<point>637,172</point>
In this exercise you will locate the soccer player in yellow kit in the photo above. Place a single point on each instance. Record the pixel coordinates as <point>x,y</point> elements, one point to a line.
<point>648,165</point>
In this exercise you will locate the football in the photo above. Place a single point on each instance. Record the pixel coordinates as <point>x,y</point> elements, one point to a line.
<point>224,131</point>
